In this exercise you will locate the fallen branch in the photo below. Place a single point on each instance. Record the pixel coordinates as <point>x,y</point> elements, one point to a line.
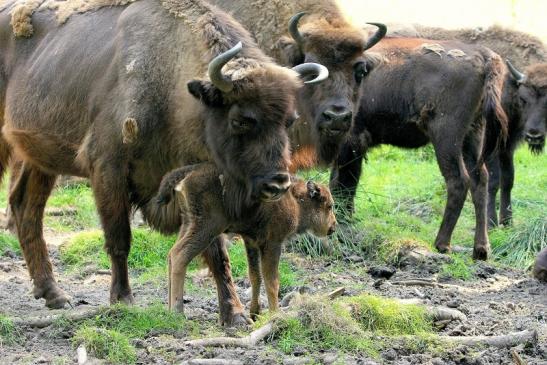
<point>516,358</point>
<point>61,212</point>
<point>336,293</point>
<point>503,341</point>
<point>248,341</point>
<point>212,362</point>
<point>438,313</point>
<point>41,322</point>
<point>416,282</point>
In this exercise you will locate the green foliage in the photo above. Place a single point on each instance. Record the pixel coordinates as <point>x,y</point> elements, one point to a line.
<point>460,267</point>
<point>74,196</point>
<point>106,344</point>
<point>9,333</point>
<point>9,242</point>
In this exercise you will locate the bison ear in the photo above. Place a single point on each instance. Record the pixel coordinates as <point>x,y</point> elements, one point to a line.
<point>289,52</point>
<point>206,92</point>
<point>314,191</point>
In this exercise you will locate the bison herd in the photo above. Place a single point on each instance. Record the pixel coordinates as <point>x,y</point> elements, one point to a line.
<point>224,109</point>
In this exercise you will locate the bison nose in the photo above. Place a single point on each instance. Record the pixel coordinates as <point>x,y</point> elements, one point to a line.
<point>331,230</point>
<point>336,121</point>
<point>534,135</point>
<point>275,186</point>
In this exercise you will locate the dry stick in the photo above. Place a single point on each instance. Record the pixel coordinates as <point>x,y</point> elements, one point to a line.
<point>336,293</point>
<point>212,362</point>
<point>439,313</point>
<point>417,282</point>
<point>516,357</point>
<point>503,341</point>
<point>41,322</point>
<point>248,341</point>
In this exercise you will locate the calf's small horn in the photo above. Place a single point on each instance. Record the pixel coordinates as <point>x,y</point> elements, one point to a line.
<point>517,75</point>
<point>293,28</point>
<point>223,83</point>
<point>376,37</point>
<point>308,69</point>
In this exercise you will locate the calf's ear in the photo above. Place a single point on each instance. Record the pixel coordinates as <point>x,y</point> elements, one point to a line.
<point>289,51</point>
<point>206,92</point>
<point>314,191</point>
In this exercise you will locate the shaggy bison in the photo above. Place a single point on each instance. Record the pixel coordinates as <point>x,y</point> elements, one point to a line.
<point>203,197</point>
<point>317,32</point>
<point>446,93</point>
<point>67,88</point>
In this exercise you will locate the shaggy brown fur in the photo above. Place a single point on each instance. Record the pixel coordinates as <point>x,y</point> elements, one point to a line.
<point>444,92</point>
<point>540,266</point>
<point>536,76</point>
<point>201,196</point>
<point>64,97</point>
<point>21,18</point>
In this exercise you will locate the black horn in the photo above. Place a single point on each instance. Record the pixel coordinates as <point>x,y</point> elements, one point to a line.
<point>376,37</point>
<point>223,83</point>
<point>293,28</point>
<point>517,75</point>
<point>318,71</point>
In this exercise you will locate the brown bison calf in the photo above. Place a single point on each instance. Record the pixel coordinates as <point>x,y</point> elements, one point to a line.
<point>204,197</point>
<point>540,267</point>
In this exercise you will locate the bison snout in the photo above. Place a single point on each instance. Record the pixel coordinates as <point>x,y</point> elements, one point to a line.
<point>331,231</point>
<point>273,187</point>
<point>335,122</point>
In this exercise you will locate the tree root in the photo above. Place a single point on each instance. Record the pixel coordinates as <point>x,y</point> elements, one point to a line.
<point>502,341</point>
<point>248,341</point>
<point>41,322</point>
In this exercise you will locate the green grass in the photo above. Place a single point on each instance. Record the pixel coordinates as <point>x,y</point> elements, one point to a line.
<point>401,198</point>
<point>459,267</point>
<point>9,242</point>
<point>364,324</point>
<point>9,333</point>
<point>106,344</point>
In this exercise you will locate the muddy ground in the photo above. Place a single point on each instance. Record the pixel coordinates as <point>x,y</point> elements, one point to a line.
<point>496,301</point>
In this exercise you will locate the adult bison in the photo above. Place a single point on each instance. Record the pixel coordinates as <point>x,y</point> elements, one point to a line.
<point>525,101</point>
<point>67,89</point>
<point>317,32</point>
<point>446,93</point>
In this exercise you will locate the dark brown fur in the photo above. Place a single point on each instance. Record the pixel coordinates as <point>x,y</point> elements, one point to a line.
<point>202,198</point>
<point>447,93</point>
<point>540,266</point>
<point>70,89</point>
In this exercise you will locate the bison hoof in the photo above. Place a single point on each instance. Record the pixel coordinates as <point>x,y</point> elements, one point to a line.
<point>443,248</point>
<point>55,297</point>
<point>179,306</point>
<point>126,299</point>
<point>238,320</point>
<point>481,253</point>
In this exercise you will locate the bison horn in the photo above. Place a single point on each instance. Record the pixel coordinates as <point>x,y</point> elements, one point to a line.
<point>223,83</point>
<point>376,37</point>
<point>517,75</point>
<point>293,29</point>
<point>317,70</point>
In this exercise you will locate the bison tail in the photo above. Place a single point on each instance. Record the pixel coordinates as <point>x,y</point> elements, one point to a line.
<point>497,122</point>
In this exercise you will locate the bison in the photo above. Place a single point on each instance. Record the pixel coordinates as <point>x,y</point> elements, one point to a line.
<point>540,266</point>
<point>447,93</point>
<point>203,197</point>
<point>175,67</point>
<point>525,101</point>
<point>317,32</point>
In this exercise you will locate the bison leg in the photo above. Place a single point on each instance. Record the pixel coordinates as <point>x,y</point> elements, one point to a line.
<point>232,312</point>
<point>450,162</point>
<point>345,176</point>
<point>112,199</point>
<point>478,182</point>
<point>253,256</point>
<point>493,167</point>
<point>28,200</point>
<point>507,169</point>
<point>269,262</point>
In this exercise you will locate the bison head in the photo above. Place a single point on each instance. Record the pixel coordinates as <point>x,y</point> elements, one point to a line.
<point>532,92</point>
<point>248,107</point>
<point>328,108</point>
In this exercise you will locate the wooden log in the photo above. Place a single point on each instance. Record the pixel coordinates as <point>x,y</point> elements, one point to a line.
<point>503,341</point>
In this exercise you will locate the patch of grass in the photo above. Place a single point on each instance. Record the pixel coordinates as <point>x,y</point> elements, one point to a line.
<point>106,344</point>
<point>74,196</point>
<point>460,267</point>
<point>9,333</point>
<point>8,242</point>
<point>520,248</point>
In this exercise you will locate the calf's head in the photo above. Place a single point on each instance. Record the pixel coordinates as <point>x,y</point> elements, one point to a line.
<point>248,105</point>
<point>532,92</point>
<point>316,208</point>
<point>327,109</point>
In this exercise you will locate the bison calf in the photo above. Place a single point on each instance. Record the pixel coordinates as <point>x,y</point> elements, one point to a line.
<point>540,267</point>
<point>203,196</point>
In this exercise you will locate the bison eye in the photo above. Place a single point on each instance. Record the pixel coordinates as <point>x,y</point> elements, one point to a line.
<point>242,125</point>
<point>359,71</point>
<point>290,121</point>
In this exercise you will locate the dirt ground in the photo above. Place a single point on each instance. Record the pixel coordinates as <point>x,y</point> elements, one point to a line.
<point>497,301</point>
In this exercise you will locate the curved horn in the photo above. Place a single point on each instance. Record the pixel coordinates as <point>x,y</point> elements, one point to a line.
<point>293,28</point>
<point>376,37</point>
<point>307,69</point>
<point>517,75</point>
<point>223,83</point>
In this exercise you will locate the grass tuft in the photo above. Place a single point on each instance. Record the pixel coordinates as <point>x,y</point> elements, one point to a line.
<point>460,267</point>
<point>9,243</point>
<point>106,344</point>
<point>9,333</point>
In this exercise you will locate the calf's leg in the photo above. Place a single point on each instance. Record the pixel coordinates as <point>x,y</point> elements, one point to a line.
<point>28,197</point>
<point>493,167</point>
<point>253,256</point>
<point>507,169</point>
<point>269,262</point>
